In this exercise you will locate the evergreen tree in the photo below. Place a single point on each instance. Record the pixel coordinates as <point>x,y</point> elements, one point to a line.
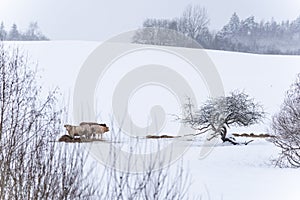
<point>3,33</point>
<point>226,38</point>
<point>234,24</point>
<point>231,28</point>
<point>14,33</point>
<point>248,26</point>
<point>295,26</point>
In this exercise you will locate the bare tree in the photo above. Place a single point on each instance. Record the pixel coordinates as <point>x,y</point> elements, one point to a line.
<point>194,21</point>
<point>182,32</point>
<point>218,114</point>
<point>286,126</point>
<point>33,33</point>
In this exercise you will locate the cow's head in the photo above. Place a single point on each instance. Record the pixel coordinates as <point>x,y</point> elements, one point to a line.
<point>104,128</point>
<point>68,127</point>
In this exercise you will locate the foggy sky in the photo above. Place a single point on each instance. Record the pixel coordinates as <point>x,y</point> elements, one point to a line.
<point>101,19</point>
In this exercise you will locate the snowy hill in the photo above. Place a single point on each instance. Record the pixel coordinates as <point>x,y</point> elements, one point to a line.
<point>229,172</point>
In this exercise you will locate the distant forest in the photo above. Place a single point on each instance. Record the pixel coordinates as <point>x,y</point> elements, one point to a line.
<point>242,35</point>
<point>33,33</point>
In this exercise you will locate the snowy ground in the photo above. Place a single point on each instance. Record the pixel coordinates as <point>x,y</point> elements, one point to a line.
<point>228,172</point>
<point>242,172</point>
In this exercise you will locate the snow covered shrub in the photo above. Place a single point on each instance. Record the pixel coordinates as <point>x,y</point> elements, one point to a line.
<point>286,126</point>
<point>218,114</point>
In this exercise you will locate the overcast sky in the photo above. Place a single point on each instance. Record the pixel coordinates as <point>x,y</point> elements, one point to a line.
<point>101,19</point>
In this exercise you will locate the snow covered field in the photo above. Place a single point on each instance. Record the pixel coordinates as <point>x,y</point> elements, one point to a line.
<point>229,172</point>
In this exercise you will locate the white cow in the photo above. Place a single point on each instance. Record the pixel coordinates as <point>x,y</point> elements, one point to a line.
<point>78,130</point>
<point>99,130</point>
<point>96,128</point>
<point>87,129</point>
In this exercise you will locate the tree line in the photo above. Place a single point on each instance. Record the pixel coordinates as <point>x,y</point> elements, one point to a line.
<point>33,33</point>
<point>242,35</point>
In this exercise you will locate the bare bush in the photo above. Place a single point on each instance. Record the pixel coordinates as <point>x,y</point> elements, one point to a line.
<point>158,179</point>
<point>32,165</point>
<point>218,114</point>
<point>163,36</point>
<point>151,184</point>
<point>286,126</point>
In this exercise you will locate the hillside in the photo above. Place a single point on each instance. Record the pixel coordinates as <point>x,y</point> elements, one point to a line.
<point>228,172</point>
